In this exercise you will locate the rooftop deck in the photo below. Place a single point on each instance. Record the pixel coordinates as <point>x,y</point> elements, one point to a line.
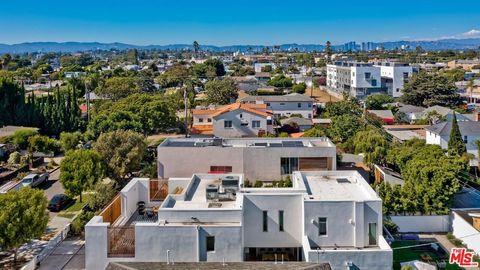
<point>248,142</point>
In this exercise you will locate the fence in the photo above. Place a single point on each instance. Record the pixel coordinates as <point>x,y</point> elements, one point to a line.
<point>158,190</point>
<point>426,224</point>
<point>121,241</point>
<point>113,211</point>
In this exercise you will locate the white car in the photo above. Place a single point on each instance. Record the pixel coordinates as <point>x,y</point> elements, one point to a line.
<point>33,180</point>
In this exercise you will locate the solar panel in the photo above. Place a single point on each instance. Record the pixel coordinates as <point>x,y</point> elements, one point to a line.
<point>260,144</point>
<point>292,144</point>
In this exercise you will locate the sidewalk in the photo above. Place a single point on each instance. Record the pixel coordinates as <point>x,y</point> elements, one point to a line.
<point>70,254</point>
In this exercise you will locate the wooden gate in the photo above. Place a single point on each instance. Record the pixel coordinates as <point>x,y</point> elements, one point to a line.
<point>158,189</point>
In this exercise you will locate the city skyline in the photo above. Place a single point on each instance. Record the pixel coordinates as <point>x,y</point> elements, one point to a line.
<point>247,22</point>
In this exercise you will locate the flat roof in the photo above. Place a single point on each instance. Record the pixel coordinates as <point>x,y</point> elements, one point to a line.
<point>336,186</point>
<point>248,142</point>
<point>217,265</point>
<point>195,196</point>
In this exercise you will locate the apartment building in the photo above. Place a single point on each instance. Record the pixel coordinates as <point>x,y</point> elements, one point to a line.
<point>394,76</point>
<point>362,79</point>
<point>266,159</point>
<point>234,120</point>
<point>285,105</point>
<point>354,78</point>
<point>329,217</point>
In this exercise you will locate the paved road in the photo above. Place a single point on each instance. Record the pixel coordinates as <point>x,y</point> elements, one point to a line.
<point>52,187</point>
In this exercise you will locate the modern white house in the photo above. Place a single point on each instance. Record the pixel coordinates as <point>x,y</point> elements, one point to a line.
<point>439,134</point>
<point>266,159</point>
<point>466,226</point>
<point>329,217</point>
<point>286,105</point>
<point>234,120</point>
<point>354,78</point>
<point>394,76</point>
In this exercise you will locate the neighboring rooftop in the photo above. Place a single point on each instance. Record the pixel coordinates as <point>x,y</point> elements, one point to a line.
<point>384,114</point>
<point>293,97</point>
<point>248,142</point>
<point>466,128</point>
<point>335,186</point>
<point>411,109</point>
<point>297,120</point>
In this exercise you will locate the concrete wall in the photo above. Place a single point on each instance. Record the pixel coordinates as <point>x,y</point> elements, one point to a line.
<point>204,215</point>
<point>96,244</point>
<point>466,232</point>
<point>255,204</point>
<point>428,224</point>
<point>228,245</point>
<point>255,162</point>
<point>369,259</point>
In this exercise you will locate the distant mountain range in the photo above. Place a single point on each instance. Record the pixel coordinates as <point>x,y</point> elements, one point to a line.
<point>28,47</point>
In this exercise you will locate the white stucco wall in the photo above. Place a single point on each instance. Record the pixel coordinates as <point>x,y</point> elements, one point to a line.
<point>292,205</point>
<point>466,232</point>
<point>237,130</point>
<point>427,224</point>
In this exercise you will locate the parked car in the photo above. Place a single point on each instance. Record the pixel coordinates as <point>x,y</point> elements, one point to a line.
<point>33,180</point>
<point>58,202</point>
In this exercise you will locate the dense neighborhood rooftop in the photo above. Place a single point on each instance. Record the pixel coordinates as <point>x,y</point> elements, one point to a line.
<point>294,97</point>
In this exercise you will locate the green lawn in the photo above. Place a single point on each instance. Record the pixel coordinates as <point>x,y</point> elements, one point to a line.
<point>407,254</point>
<point>73,208</point>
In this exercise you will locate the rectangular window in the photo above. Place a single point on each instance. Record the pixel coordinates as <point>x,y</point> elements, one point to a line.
<point>280,220</point>
<point>282,103</point>
<point>405,75</point>
<point>367,75</point>
<point>309,105</point>
<point>374,82</point>
<point>209,120</point>
<point>210,243</point>
<point>372,234</point>
<point>465,139</point>
<point>227,124</point>
<point>200,120</point>
<point>241,115</point>
<point>255,124</point>
<point>299,105</point>
<point>322,226</point>
<point>265,221</point>
<point>223,169</point>
<point>268,104</point>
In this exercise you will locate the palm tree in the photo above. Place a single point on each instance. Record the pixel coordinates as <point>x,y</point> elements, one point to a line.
<point>470,86</point>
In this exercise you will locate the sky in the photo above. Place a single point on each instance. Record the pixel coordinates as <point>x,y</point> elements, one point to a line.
<point>230,22</point>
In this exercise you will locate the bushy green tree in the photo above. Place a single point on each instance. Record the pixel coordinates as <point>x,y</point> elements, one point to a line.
<point>122,151</point>
<point>299,88</point>
<point>70,140</point>
<point>44,144</point>
<point>344,127</point>
<point>372,144</point>
<point>217,64</point>
<point>343,107</point>
<point>23,217</point>
<point>429,89</point>
<point>376,102</point>
<point>280,81</point>
<point>80,170</point>
<point>221,91</point>
<point>20,137</point>
<point>118,87</point>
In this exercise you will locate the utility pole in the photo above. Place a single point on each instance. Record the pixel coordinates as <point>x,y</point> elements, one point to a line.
<point>87,94</point>
<point>185,100</point>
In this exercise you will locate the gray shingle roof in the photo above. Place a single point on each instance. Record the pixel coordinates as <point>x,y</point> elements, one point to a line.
<point>411,109</point>
<point>384,114</point>
<point>298,120</point>
<point>294,97</point>
<point>466,128</point>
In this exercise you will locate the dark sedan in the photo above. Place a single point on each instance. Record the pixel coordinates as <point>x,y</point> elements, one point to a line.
<point>58,202</point>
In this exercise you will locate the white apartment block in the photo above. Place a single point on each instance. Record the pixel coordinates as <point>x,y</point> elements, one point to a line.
<point>354,78</point>
<point>266,159</point>
<point>362,79</point>
<point>331,216</point>
<point>285,106</point>
<point>394,76</point>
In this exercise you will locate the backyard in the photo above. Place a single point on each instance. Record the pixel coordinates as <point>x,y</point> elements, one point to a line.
<point>425,253</point>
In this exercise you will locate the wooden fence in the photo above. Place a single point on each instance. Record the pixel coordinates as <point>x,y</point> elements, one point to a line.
<point>158,189</point>
<point>113,211</point>
<point>121,241</point>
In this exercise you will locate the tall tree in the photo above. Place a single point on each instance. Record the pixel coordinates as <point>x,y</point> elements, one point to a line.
<point>221,91</point>
<point>196,48</point>
<point>23,217</point>
<point>81,169</point>
<point>429,89</point>
<point>122,151</point>
<point>456,145</point>
<point>328,50</point>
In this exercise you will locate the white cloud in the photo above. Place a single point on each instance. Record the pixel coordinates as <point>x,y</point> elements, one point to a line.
<point>471,33</point>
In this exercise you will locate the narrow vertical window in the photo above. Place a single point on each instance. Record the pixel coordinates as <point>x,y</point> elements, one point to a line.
<point>280,220</point>
<point>265,221</point>
<point>210,243</point>
<point>372,234</point>
<point>322,226</point>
